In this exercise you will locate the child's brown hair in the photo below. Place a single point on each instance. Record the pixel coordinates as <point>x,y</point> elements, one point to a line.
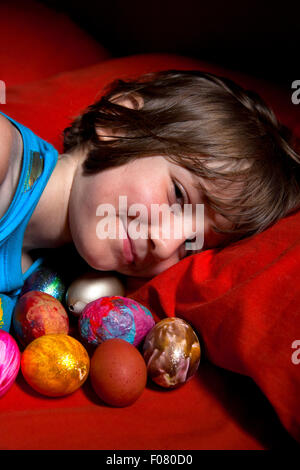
<point>224,134</point>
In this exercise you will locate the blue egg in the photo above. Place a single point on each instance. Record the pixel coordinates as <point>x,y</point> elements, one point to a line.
<point>45,279</point>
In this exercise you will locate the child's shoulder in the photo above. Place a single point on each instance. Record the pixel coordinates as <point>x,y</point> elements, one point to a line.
<point>6,146</point>
<point>10,162</point>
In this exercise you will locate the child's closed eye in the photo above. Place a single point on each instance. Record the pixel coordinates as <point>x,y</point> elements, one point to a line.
<point>180,193</point>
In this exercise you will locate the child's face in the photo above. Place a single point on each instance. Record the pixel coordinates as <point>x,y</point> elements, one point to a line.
<point>144,181</point>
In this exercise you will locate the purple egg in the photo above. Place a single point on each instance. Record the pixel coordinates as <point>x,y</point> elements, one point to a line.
<point>115,317</point>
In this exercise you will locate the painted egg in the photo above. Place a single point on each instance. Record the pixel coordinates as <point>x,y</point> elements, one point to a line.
<point>9,361</point>
<point>37,314</point>
<point>114,317</point>
<point>55,365</point>
<point>45,279</point>
<point>118,372</point>
<point>91,286</point>
<point>172,352</point>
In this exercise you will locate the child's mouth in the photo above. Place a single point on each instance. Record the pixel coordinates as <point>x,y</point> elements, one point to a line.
<point>128,249</point>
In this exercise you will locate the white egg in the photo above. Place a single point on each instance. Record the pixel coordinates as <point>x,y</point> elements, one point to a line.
<point>91,286</point>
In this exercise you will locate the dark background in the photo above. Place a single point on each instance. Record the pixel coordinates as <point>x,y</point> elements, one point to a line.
<point>255,37</point>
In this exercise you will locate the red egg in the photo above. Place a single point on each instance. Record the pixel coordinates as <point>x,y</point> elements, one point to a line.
<point>118,372</point>
<point>37,314</point>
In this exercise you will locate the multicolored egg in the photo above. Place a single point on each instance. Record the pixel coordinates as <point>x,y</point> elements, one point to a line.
<point>172,352</point>
<point>37,314</point>
<point>115,317</point>
<point>9,361</point>
<point>55,365</point>
<point>91,286</point>
<point>118,372</point>
<point>45,279</point>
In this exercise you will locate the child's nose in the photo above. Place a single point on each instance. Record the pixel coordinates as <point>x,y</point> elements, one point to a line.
<point>164,249</point>
<point>171,246</point>
<point>171,242</point>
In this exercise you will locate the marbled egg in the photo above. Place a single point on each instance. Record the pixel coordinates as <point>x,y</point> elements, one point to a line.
<point>91,286</point>
<point>37,314</point>
<point>9,361</point>
<point>172,352</point>
<point>115,317</point>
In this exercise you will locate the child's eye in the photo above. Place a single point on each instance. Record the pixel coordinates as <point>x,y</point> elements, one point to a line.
<point>179,193</point>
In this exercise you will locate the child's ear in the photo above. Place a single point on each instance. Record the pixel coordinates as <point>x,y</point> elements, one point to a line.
<point>131,101</point>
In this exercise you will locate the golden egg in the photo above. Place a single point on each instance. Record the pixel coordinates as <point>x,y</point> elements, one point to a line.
<point>55,365</point>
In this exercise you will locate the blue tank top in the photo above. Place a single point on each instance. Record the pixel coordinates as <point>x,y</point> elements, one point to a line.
<point>39,160</point>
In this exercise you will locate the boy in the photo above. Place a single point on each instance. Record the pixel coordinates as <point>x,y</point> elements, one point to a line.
<point>170,138</point>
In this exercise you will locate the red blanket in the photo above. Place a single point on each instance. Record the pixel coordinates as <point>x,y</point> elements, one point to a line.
<point>243,301</point>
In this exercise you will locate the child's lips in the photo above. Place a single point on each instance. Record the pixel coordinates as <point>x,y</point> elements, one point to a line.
<point>133,249</point>
<point>129,249</point>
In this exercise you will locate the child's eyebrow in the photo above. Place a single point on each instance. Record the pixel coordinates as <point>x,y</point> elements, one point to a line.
<point>196,183</point>
<point>197,187</point>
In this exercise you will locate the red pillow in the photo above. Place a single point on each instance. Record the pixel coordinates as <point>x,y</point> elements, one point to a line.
<point>37,42</point>
<point>243,300</point>
<point>244,303</point>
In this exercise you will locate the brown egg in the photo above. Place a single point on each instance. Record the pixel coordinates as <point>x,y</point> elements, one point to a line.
<point>118,372</point>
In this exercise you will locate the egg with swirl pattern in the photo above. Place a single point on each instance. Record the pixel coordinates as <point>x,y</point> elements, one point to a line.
<point>114,317</point>
<point>172,352</point>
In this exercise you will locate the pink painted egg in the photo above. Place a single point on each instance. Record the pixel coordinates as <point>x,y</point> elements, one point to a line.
<point>115,317</point>
<point>37,314</point>
<point>10,358</point>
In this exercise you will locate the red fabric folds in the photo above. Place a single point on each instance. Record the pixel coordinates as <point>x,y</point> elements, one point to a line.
<point>244,303</point>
